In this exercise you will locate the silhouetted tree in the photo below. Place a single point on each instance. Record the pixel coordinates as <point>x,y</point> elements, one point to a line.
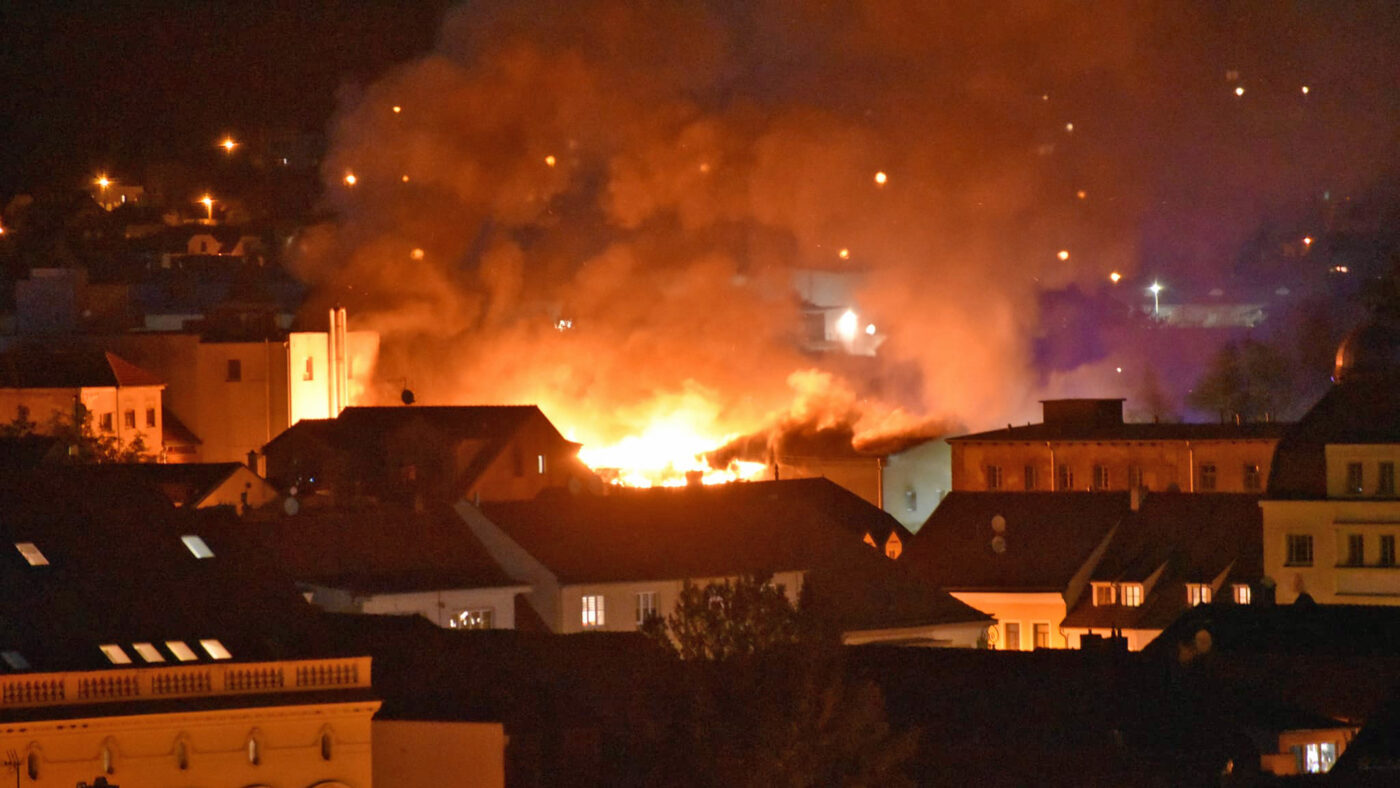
<point>1250,380</point>
<point>727,618</point>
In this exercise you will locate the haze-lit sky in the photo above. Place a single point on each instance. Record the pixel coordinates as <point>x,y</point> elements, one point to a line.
<point>703,152</point>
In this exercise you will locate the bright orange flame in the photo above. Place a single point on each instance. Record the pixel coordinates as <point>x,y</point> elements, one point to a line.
<point>666,451</point>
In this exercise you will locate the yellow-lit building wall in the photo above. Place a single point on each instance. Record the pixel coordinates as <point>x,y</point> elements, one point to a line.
<point>119,412</point>
<point>411,754</point>
<point>1026,609</point>
<point>1328,577</point>
<point>1162,465</point>
<point>146,750</point>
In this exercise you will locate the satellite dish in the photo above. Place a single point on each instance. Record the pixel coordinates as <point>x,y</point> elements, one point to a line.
<point>407,396</point>
<point>998,544</point>
<point>291,506</point>
<point>998,524</point>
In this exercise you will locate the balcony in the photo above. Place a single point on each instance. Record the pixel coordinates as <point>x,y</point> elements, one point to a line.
<point>181,681</point>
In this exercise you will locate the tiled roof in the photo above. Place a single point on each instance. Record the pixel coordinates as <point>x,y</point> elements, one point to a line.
<point>1137,432</point>
<point>381,549</point>
<point>716,531</point>
<point>1345,631</point>
<point>174,432</point>
<point>118,572</point>
<point>45,368</point>
<point>1193,538</point>
<point>1048,536</point>
<point>1364,410</point>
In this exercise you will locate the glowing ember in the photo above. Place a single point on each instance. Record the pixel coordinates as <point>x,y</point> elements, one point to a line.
<point>881,178</point>
<point>1115,277</point>
<point>844,254</point>
<point>549,160</point>
<point>1063,254</point>
<point>397,109</point>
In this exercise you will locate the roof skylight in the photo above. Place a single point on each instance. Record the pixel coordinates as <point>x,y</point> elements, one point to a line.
<point>215,649</point>
<point>181,651</point>
<point>15,660</point>
<point>197,546</point>
<point>115,654</point>
<point>148,652</point>
<point>31,553</point>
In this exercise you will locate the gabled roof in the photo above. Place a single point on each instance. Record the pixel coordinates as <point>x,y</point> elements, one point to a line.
<point>1048,537</point>
<point>1364,410</point>
<point>1192,538</point>
<point>693,532</point>
<point>1131,431</point>
<point>173,432</point>
<point>118,572</point>
<point>45,368</point>
<point>370,550</point>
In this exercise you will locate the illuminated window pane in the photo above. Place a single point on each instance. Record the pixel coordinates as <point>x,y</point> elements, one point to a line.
<point>181,651</point>
<point>1242,594</point>
<point>197,546</point>
<point>148,652</point>
<point>1132,594</point>
<point>1197,594</point>
<point>215,649</point>
<point>31,554</point>
<point>480,618</point>
<point>646,606</point>
<point>114,654</point>
<point>593,611</point>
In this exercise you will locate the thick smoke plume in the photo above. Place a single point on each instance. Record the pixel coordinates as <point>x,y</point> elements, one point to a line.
<point>602,206</point>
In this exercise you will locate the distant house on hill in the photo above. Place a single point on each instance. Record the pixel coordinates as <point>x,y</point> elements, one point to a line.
<point>413,453</point>
<point>608,562</point>
<point>1084,445</point>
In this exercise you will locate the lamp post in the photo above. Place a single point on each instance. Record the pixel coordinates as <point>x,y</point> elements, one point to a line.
<point>208,203</point>
<point>1156,290</point>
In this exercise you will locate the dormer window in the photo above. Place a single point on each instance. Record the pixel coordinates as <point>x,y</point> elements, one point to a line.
<point>1241,593</point>
<point>181,651</point>
<point>1197,594</point>
<point>1131,594</point>
<point>1103,594</point>
<point>115,654</point>
<point>197,546</point>
<point>31,553</point>
<point>893,546</point>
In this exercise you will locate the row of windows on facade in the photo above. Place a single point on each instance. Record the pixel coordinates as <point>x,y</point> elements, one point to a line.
<point>107,421</point>
<point>1384,479</point>
<point>1011,635</point>
<point>1299,550</point>
<point>234,370</point>
<point>595,609</point>
<point>35,557</point>
<point>1102,477</point>
<point>253,747</point>
<point>1130,594</point>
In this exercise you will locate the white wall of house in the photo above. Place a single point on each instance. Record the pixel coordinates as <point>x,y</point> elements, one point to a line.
<point>1025,610</point>
<point>620,601</point>
<point>441,607</point>
<point>1329,524</point>
<point>959,635</point>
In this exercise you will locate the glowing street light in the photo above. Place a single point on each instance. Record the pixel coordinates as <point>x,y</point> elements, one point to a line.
<point>228,145</point>
<point>1156,290</point>
<point>1063,254</point>
<point>1115,277</point>
<point>208,203</point>
<point>350,179</point>
<point>550,161</point>
<point>881,178</point>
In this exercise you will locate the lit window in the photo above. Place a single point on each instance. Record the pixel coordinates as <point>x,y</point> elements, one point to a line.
<point>1385,480</point>
<point>1242,593</point>
<point>480,618</point>
<point>1355,478</point>
<point>1132,594</point>
<point>1197,594</point>
<point>894,546</point>
<point>14,660</point>
<point>1387,557</point>
<point>539,461</point>
<point>31,554</point>
<point>1103,594</point>
<point>1030,477</point>
<point>993,477</point>
<point>593,613</point>
<point>646,606</point>
<point>148,652</point>
<point>1253,480</point>
<point>1300,550</point>
<point>215,649</point>
<point>197,546</point>
<point>254,751</point>
<point>181,651</point>
<point>1100,477</point>
<point>1041,635</point>
<point>114,654</point>
<point>1207,477</point>
<point>1356,550</point>
<point>1011,632</point>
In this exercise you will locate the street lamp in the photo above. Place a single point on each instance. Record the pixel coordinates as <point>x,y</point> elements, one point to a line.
<point>102,183</point>
<point>1156,290</point>
<point>208,203</point>
<point>228,145</point>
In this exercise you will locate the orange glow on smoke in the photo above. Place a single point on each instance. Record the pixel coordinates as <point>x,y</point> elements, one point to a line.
<point>662,455</point>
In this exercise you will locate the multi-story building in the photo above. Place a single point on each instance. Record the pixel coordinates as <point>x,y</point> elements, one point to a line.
<point>1084,444</point>
<point>1332,513</point>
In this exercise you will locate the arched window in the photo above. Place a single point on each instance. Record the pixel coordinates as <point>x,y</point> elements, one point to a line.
<point>254,747</point>
<point>182,754</point>
<point>31,763</point>
<point>109,761</point>
<point>327,744</point>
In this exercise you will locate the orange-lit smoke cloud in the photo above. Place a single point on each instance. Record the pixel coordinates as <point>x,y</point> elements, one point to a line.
<point>655,172</point>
